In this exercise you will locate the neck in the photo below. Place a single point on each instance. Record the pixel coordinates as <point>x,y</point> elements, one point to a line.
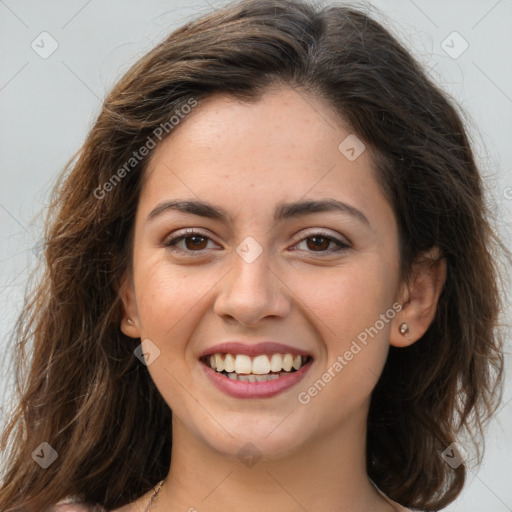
<point>328,474</point>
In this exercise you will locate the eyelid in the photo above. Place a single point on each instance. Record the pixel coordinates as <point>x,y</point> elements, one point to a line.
<point>342,242</point>
<point>323,232</point>
<point>177,236</point>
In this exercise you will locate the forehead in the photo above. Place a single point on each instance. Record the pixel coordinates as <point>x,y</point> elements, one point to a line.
<point>286,145</point>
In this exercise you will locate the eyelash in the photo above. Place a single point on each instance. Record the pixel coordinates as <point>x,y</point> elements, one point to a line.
<point>171,243</point>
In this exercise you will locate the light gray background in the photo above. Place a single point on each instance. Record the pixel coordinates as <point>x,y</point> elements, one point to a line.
<point>48,105</point>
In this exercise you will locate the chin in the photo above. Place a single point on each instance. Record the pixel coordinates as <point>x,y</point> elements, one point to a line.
<point>269,439</point>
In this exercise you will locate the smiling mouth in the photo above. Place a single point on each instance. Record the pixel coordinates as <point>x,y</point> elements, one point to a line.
<point>260,368</point>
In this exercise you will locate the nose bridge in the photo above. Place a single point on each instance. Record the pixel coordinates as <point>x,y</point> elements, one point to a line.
<point>251,290</point>
<point>251,266</point>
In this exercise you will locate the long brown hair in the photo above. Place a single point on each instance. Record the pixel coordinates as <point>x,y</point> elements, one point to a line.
<point>82,390</point>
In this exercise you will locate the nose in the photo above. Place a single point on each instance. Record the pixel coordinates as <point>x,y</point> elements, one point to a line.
<point>251,291</point>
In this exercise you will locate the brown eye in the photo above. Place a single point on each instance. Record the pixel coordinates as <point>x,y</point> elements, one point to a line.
<point>192,242</point>
<point>197,242</point>
<point>320,242</point>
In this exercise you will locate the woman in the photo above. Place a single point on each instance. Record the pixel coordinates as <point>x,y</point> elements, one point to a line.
<point>277,231</point>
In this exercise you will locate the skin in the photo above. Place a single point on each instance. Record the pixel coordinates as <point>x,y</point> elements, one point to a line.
<point>247,158</point>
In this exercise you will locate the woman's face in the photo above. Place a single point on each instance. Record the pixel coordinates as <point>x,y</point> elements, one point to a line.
<point>322,281</point>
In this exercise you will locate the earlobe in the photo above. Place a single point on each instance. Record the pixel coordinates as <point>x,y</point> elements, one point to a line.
<point>419,299</point>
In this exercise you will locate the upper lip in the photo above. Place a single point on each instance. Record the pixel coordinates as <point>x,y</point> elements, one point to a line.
<point>253,349</point>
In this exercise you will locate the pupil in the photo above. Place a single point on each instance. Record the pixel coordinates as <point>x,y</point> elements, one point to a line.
<point>196,244</point>
<point>316,244</point>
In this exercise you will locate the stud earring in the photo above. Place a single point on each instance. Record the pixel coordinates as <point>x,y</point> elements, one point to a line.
<point>130,321</point>
<point>404,328</point>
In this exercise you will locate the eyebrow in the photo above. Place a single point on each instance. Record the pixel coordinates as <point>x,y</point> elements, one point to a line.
<point>282,212</point>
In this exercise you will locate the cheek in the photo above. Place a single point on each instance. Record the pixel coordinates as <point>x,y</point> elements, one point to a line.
<point>164,295</point>
<point>356,343</point>
<point>355,308</point>
<point>349,298</point>
<point>167,301</point>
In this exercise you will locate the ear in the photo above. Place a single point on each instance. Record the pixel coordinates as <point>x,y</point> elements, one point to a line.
<point>419,297</point>
<point>130,324</point>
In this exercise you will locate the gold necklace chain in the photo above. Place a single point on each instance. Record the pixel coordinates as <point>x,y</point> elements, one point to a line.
<point>153,497</point>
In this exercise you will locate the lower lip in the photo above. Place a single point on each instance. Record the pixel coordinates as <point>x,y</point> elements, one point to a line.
<point>265,389</point>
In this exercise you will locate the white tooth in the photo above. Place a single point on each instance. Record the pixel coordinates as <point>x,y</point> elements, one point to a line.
<point>261,378</point>
<point>287,362</point>
<point>243,364</point>
<point>219,363</point>
<point>273,377</point>
<point>229,363</point>
<point>260,365</point>
<point>251,378</point>
<point>233,376</point>
<point>297,362</point>
<point>276,363</point>
<point>244,378</point>
<point>212,362</point>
